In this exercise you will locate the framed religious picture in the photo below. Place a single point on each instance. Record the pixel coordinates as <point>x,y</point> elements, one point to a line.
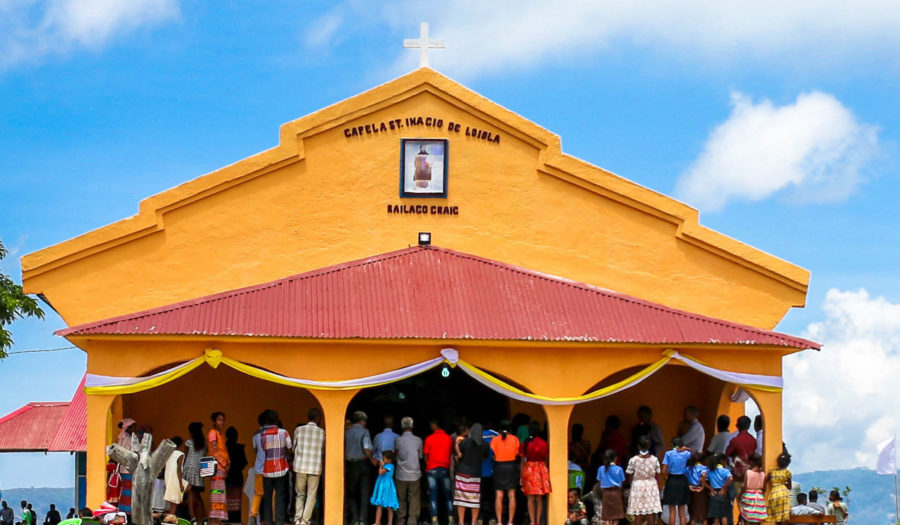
<point>423,167</point>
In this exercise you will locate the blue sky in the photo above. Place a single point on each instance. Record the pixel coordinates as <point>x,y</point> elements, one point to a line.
<point>780,123</point>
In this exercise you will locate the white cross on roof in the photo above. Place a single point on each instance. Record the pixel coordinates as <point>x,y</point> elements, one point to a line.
<point>423,44</point>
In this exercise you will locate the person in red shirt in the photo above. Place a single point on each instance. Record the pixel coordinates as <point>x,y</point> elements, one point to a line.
<point>612,439</point>
<point>437,449</point>
<point>739,450</point>
<point>535,474</point>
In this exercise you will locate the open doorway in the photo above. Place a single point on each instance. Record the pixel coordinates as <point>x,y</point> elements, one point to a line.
<point>448,395</point>
<point>444,394</point>
<point>167,411</point>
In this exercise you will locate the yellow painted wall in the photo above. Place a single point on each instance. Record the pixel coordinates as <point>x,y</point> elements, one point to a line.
<point>320,198</point>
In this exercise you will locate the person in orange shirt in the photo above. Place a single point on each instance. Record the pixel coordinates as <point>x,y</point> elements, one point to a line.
<point>506,470</point>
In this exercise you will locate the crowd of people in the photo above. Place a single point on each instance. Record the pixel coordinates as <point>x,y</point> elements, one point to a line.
<point>691,481</point>
<point>476,474</point>
<point>471,472</point>
<point>217,456</point>
<point>28,516</point>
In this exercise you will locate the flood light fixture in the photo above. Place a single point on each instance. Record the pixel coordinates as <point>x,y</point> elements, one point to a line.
<point>424,238</point>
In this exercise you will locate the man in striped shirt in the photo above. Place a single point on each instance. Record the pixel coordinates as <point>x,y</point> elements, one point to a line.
<point>309,444</point>
<point>275,442</point>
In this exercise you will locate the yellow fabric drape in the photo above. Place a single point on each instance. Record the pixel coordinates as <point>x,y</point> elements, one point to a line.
<point>596,394</point>
<point>265,375</point>
<point>214,358</point>
<point>152,382</point>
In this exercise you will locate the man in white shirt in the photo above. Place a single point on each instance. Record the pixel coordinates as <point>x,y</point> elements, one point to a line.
<point>802,509</point>
<point>694,436</point>
<point>814,501</point>
<point>384,440</point>
<point>309,446</point>
<point>758,428</point>
<point>719,443</point>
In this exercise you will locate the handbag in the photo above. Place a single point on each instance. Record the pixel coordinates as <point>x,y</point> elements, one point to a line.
<point>208,466</point>
<point>739,470</point>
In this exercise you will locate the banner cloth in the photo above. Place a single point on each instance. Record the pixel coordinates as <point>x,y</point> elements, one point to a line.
<point>114,385</point>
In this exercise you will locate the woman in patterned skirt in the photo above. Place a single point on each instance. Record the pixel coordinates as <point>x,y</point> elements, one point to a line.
<point>123,496</point>
<point>470,453</point>
<point>234,481</point>
<point>196,449</point>
<point>753,498</point>
<point>778,504</point>
<point>643,471</point>
<point>535,474</point>
<point>215,443</point>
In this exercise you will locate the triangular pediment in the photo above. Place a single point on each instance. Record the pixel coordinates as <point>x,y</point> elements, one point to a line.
<point>331,190</point>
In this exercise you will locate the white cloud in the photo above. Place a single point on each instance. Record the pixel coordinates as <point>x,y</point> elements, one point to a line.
<point>814,147</point>
<point>324,30</point>
<point>487,37</point>
<point>32,30</point>
<point>840,402</point>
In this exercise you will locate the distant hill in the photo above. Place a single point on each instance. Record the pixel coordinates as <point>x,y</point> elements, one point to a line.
<point>40,499</point>
<point>871,500</point>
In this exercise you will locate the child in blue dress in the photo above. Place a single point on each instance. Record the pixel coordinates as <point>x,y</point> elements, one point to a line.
<point>718,479</point>
<point>385,493</point>
<point>696,478</point>
<point>611,476</point>
<point>677,494</point>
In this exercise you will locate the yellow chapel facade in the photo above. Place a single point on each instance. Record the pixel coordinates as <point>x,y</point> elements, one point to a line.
<point>582,280</point>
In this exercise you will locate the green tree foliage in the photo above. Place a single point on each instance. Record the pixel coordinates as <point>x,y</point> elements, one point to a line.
<point>14,304</point>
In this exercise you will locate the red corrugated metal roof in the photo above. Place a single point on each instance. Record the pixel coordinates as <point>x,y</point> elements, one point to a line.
<point>434,293</point>
<point>47,427</point>
<point>31,428</point>
<point>71,434</point>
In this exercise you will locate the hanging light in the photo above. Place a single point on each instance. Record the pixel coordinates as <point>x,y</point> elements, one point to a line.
<point>445,371</point>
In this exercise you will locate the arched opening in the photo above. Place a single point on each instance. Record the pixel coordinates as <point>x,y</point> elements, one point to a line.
<point>170,408</point>
<point>667,393</point>
<point>755,413</point>
<point>444,393</point>
<point>453,398</point>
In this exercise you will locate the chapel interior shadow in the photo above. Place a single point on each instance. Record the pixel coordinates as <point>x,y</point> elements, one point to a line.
<point>453,399</point>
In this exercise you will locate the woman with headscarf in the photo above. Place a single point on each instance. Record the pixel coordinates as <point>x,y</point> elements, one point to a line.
<point>470,452</point>
<point>119,487</point>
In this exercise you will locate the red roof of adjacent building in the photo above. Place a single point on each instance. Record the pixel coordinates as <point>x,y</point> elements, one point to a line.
<point>47,426</point>
<point>434,293</point>
<point>71,434</point>
<point>32,427</point>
